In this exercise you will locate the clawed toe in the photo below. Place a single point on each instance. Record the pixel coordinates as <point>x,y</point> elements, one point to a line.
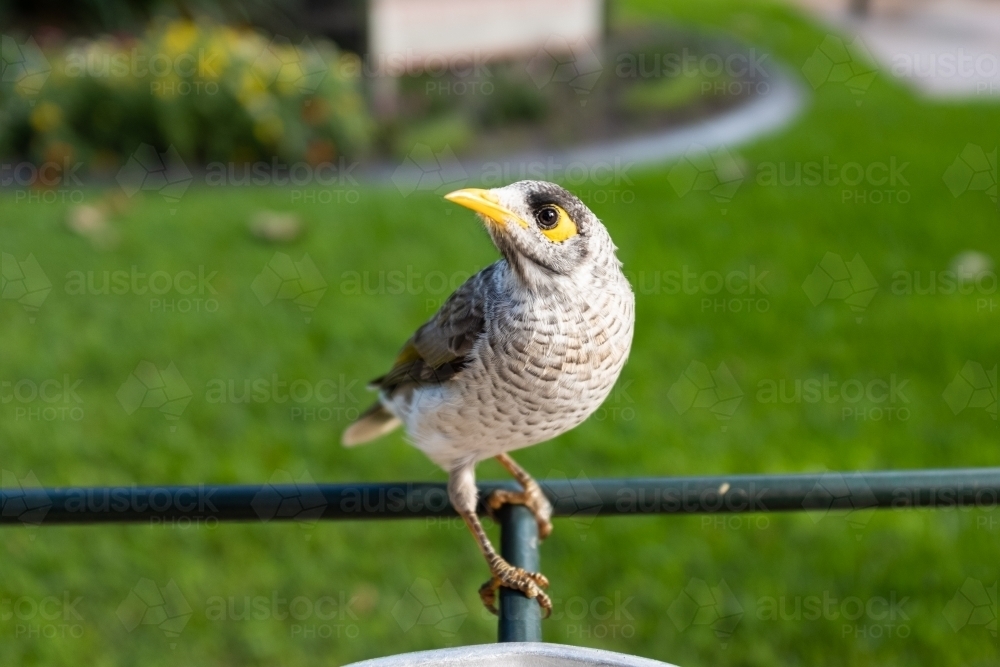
<point>532,498</point>
<point>519,579</point>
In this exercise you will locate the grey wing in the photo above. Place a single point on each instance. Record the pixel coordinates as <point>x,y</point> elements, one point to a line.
<point>440,348</point>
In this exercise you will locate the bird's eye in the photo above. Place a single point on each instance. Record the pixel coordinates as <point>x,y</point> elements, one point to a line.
<point>555,223</point>
<point>548,217</point>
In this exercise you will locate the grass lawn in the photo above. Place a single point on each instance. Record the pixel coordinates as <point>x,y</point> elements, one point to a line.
<point>795,582</point>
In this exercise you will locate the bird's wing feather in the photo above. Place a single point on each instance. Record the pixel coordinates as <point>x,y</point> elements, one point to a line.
<point>440,348</point>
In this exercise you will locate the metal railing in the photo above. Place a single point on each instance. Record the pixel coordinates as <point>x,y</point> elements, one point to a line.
<point>520,618</point>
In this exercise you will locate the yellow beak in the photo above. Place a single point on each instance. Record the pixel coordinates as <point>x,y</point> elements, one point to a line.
<point>486,204</point>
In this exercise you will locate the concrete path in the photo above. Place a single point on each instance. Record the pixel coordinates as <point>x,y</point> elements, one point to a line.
<point>944,48</point>
<point>608,163</point>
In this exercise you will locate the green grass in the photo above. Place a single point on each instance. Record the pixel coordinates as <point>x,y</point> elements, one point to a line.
<point>918,557</point>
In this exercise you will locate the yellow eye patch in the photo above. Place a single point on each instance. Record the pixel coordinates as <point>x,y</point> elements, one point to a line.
<point>555,223</point>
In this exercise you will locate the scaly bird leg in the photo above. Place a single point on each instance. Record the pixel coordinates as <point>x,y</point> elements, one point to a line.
<point>531,497</point>
<point>463,495</point>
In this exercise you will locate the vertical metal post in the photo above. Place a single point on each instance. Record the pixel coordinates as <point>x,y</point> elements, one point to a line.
<point>520,618</point>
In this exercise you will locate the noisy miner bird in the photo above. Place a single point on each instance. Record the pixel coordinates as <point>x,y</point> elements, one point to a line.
<point>523,351</point>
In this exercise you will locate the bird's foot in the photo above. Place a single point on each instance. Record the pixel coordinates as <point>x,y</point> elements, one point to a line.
<point>532,498</point>
<point>519,579</point>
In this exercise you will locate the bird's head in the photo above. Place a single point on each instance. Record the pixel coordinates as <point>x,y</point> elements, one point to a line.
<point>542,230</point>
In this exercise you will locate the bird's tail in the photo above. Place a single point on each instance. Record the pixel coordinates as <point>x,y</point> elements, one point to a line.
<point>373,423</point>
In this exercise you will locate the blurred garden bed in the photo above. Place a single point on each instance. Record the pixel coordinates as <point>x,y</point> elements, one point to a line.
<point>646,79</point>
<point>212,92</point>
<point>208,93</point>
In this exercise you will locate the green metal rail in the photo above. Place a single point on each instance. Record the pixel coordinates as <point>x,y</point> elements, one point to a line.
<point>520,619</point>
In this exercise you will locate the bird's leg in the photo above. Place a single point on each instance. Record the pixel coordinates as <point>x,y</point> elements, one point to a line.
<point>463,495</point>
<point>531,497</point>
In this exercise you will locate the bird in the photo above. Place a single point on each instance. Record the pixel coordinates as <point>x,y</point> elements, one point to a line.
<point>523,351</point>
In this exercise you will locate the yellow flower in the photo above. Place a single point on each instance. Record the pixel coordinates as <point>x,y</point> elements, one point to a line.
<point>179,37</point>
<point>215,60</point>
<point>45,117</point>
<point>251,87</point>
